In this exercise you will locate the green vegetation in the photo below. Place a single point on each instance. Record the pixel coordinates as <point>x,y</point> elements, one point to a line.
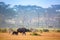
<point>3,30</point>
<point>57,30</point>
<point>45,30</point>
<point>35,34</point>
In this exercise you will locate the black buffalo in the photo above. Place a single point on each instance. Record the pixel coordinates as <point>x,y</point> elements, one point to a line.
<point>14,32</point>
<point>22,30</point>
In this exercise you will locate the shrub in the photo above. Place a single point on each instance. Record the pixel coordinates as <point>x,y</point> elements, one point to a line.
<point>3,30</point>
<point>35,34</point>
<point>45,30</point>
<point>41,31</point>
<point>57,30</point>
<point>0,30</point>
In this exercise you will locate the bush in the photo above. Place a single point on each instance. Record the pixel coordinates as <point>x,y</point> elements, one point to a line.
<point>0,30</point>
<point>45,30</point>
<point>35,34</point>
<point>57,30</point>
<point>3,30</point>
<point>41,31</point>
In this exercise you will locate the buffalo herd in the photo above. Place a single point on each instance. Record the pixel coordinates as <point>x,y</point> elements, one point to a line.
<point>20,30</point>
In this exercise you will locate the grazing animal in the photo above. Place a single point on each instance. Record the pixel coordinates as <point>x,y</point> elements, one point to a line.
<point>14,32</point>
<point>22,30</point>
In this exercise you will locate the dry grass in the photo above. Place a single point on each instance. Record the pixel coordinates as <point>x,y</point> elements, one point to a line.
<point>44,36</point>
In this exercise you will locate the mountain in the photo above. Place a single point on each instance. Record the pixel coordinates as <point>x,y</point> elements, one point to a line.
<point>29,16</point>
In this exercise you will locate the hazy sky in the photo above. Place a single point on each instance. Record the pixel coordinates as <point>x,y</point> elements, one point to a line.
<point>42,3</point>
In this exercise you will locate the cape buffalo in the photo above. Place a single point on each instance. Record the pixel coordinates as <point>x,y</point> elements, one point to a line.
<point>22,30</point>
<point>14,32</point>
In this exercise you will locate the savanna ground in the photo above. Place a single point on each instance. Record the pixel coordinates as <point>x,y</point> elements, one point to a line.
<point>43,36</point>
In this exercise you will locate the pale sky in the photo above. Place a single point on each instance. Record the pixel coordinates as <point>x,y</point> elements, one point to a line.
<point>42,3</point>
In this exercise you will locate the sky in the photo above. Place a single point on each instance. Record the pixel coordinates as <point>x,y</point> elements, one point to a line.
<point>42,3</point>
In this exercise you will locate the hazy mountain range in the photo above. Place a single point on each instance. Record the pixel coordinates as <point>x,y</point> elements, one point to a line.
<point>29,16</point>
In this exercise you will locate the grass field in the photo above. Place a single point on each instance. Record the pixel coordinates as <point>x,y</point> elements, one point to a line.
<point>44,36</point>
